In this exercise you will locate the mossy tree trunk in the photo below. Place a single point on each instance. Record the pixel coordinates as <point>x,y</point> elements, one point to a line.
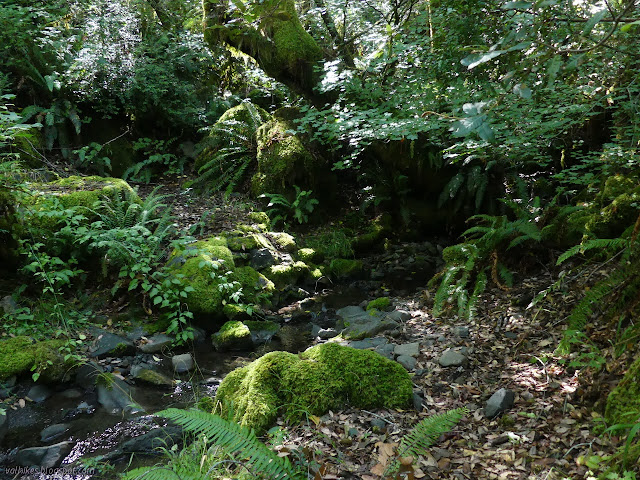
<point>271,33</point>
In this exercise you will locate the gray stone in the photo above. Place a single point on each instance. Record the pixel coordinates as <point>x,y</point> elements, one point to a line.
<point>368,343</point>
<point>327,333</point>
<point>199,335</point>
<point>499,402</point>
<point>451,358</point>
<point>262,331</point>
<point>148,443</point>
<point>462,332</point>
<point>182,363</point>
<point>53,432</point>
<point>357,324</point>
<point>263,258</point>
<point>417,402</point>
<point>87,374</point>
<point>109,344</point>
<point>386,350</point>
<point>39,393</point>
<point>46,457</point>
<point>398,316</point>
<point>441,338</point>
<point>407,362</point>
<point>157,343</point>
<point>315,329</point>
<point>136,334</point>
<point>8,305</point>
<point>115,397</point>
<point>71,393</point>
<point>410,349</point>
<point>144,373</point>
<point>379,424</point>
<point>4,425</point>
<point>511,335</point>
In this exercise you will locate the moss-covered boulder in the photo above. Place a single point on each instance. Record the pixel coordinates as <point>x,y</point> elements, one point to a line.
<point>615,217</point>
<point>256,288</point>
<point>285,161</point>
<point>237,125</point>
<point>286,273</point>
<point>206,265</point>
<point>233,335</point>
<point>324,377</point>
<point>623,403</point>
<point>21,354</point>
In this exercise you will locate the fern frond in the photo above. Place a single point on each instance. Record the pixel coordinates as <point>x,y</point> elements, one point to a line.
<point>234,438</point>
<point>606,244</point>
<point>427,432</point>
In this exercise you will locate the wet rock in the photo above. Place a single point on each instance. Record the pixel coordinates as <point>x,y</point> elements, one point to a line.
<point>115,397</point>
<point>182,363</point>
<point>262,331</point>
<point>144,373</point>
<point>109,344</point>
<point>407,362</point>
<point>451,358</point>
<point>357,324</point>
<point>386,350</point>
<point>53,431</point>
<point>327,333</point>
<point>4,425</point>
<point>462,332</point>
<point>499,402</point>
<point>157,343</point>
<point>199,335</point>
<point>87,374</point>
<point>39,393</point>
<point>71,393</point>
<point>410,349</point>
<point>45,457</point>
<point>263,258</point>
<point>149,443</point>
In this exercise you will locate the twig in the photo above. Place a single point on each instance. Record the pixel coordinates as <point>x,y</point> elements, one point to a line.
<point>378,416</point>
<point>543,366</point>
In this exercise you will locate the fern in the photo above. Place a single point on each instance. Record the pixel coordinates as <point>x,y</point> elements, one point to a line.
<point>426,433</point>
<point>236,440</point>
<point>227,166</point>
<point>602,244</point>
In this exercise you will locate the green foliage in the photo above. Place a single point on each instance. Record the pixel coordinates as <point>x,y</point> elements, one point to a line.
<point>157,160</point>
<point>283,210</point>
<point>236,440</point>
<point>231,149</point>
<point>333,243</point>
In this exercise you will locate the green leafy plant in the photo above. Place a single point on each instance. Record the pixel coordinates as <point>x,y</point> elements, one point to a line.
<point>283,210</point>
<point>157,160</point>
<point>232,150</point>
<point>236,440</point>
<point>91,157</point>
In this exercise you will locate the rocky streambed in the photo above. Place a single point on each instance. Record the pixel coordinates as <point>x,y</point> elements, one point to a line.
<point>92,424</point>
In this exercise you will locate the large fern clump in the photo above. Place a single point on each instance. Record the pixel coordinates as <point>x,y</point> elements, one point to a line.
<point>239,442</point>
<point>230,149</point>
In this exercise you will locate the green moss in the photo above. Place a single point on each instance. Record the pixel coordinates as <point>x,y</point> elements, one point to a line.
<point>325,377</point>
<point>120,349</point>
<point>286,274</point>
<point>375,234</point>
<point>382,303</point>
<point>242,241</point>
<point>331,244</point>
<point>258,326</point>
<point>614,218</point>
<point>308,255</point>
<point>233,335</point>
<point>206,404</point>
<point>316,273</point>
<point>623,403</point>
<point>342,267</point>
<point>233,311</point>
<point>283,160</point>
<point>242,125</point>
<point>255,286</point>
<point>261,218</point>
<point>20,355</point>
<point>152,377</point>
<point>284,241</point>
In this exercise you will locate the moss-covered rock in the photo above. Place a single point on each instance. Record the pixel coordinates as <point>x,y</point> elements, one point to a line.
<point>344,268</point>
<point>286,274</point>
<point>382,304</point>
<point>324,377</point>
<point>256,288</point>
<point>617,216</point>
<point>623,403</point>
<point>203,265</point>
<point>375,234</point>
<point>238,119</point>
<point>309,255</point>
<point>233,335</point>
<point>285,161</point>
<point>21,355</point>
<point>261,218</point>
<point>284,241</point>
